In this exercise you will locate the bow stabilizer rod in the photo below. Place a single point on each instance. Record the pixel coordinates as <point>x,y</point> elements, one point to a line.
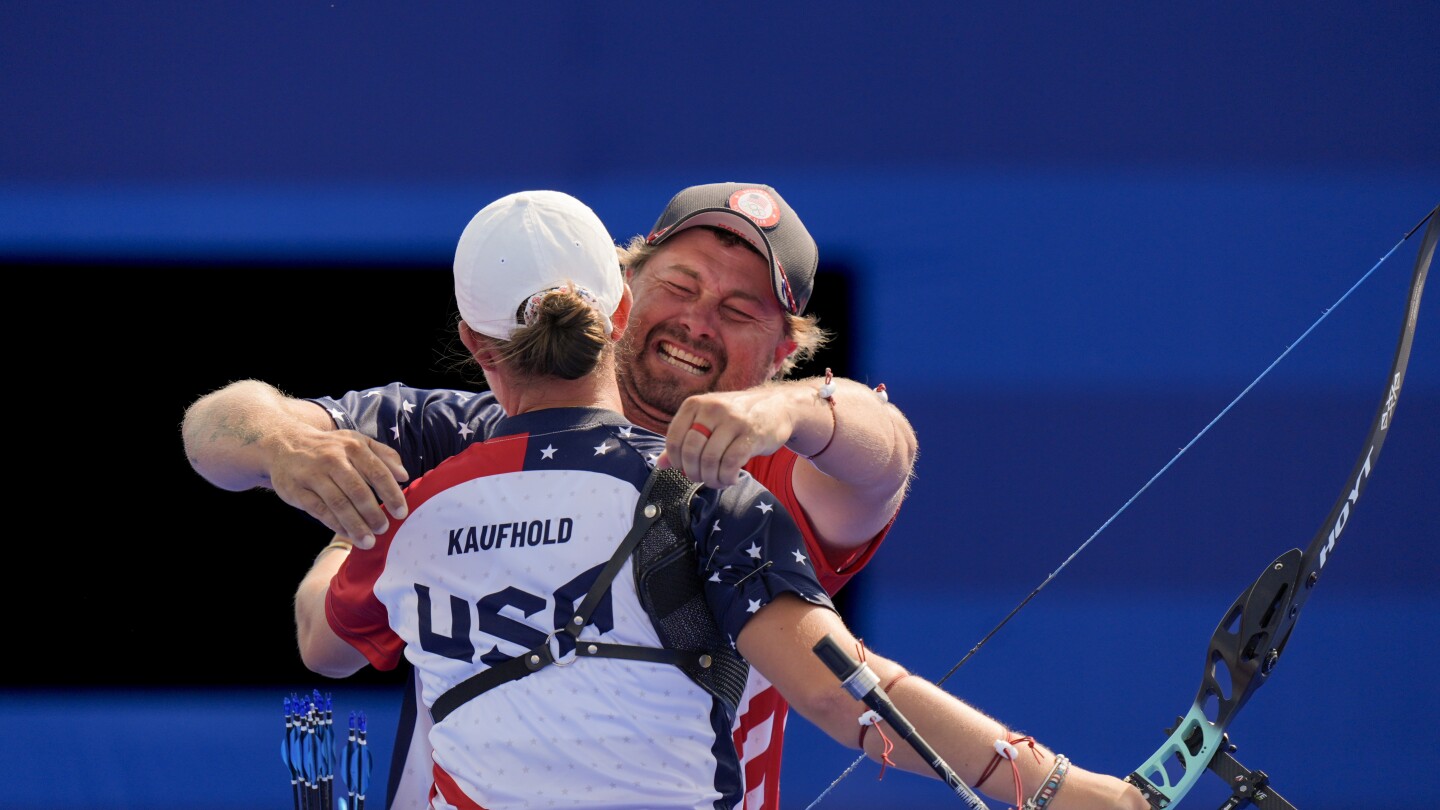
<point>863,684</point>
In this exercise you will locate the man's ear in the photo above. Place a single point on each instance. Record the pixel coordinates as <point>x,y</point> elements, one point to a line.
<point>621,318</point>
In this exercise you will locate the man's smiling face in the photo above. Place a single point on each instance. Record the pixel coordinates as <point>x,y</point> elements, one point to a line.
<point>704,319</point>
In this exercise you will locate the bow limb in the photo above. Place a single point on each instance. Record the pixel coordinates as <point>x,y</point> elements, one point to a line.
<point>1248,642</point>
<point>1257,627</point>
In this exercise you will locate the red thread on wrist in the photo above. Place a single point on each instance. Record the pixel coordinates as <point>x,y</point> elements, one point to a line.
<point>885,760</point>
<point>889,744</point>
<point>1014,769</point>
<point>898,678</point>
<point>989,769</point>
<point>827,393</point>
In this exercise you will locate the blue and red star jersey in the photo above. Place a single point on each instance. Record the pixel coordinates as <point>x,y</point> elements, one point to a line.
<point>426,426</point>
<point>502,542</point>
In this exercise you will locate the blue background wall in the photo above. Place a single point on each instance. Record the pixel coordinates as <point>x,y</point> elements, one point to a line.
<point>1073,235</point>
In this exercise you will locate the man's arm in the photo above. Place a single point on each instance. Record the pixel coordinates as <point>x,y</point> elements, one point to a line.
<point>322,651</point>
<point>779,641</point>
<point>249,434</point>
<point>863,450</point>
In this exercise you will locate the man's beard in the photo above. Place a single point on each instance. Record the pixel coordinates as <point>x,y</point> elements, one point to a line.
<point>660,394</point>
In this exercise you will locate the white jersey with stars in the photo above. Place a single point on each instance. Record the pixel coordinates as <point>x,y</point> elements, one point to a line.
<point>501,544</point>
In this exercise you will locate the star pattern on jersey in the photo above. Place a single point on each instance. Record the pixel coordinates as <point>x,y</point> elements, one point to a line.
<point>407,406</point>
<point>744,595</point>
<point>395,432</point>
<point>369,394</point>
<point>336,414</point>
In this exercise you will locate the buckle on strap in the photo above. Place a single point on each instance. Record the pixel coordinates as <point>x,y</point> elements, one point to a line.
<point>549,648</point>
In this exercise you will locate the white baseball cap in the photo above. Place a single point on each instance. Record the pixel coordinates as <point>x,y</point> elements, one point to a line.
<point>527,244</point>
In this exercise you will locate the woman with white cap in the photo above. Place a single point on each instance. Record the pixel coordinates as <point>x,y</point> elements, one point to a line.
<point>575,615</point>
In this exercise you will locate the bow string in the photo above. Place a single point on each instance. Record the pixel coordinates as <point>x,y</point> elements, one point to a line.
<point>1247,644</point>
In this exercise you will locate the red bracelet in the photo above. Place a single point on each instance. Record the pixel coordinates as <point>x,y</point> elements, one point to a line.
<point>889,744</point>
<point>827,393</point>
<point>898,678</point>
<point>995,761</point>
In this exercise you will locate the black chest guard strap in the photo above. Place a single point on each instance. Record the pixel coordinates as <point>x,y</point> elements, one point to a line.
<point>661,513</point>
<point>669,579</point>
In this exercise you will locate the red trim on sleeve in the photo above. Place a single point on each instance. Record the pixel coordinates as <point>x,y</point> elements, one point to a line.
<point>356,615</point>
<point>354,612</point>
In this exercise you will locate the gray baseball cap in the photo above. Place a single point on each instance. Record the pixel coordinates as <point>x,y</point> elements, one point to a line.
<point>759,215</point>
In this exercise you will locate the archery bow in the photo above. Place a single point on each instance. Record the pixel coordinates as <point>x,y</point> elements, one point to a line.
<point>1247,644</point>
<point>1253,633</point>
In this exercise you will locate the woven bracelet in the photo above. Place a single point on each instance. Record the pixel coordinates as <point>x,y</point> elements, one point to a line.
<point>1050,786</point>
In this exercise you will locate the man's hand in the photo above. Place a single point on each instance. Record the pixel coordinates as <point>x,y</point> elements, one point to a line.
<point>341,478</point>
<point>249,434</point>
<point>857,450</point>
<point>713,435</point>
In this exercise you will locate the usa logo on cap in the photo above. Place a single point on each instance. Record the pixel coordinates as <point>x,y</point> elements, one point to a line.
<point>756,204</point>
